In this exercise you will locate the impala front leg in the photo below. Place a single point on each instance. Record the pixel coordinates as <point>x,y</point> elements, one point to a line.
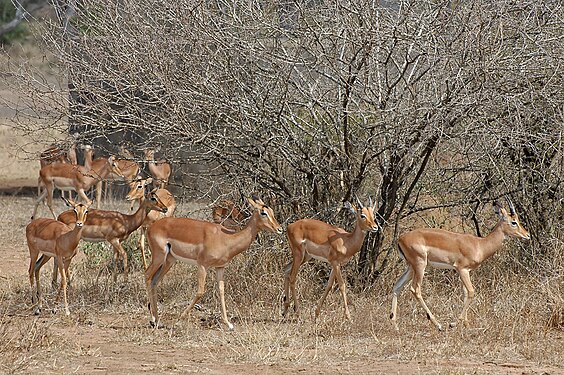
<point>221,288</point>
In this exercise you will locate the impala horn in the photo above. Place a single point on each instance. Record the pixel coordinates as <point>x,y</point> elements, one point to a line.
<point>510,204</point>
<point>358,201</point>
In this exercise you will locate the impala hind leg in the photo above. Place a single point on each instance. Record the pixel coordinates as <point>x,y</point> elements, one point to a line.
<point>153,275</point>
<point>40,199</point>
<point>398,287</point>
<point>418,273</point>
<point>34,269</point>
<point>291,274</point>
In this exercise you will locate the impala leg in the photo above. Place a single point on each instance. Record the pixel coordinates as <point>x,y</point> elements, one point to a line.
<point>160,265</point>
<point>44,259</point>
<point>468,295</point>
<point>201,288</point>
<point>343,288</point>
<point>221,288</point>
<point>287,288</point>
<point>54,274</point>
<point>98,193</point>
<point>141,244</point>
<point>33,259</point>
<point>40,199</point>
<point>84,197</point>
<point>118,250</point>
<point>398,287</point>
<point>64,267</point>
<point>50,188</point>
<point>290,283</point>
<point>418,272</point>
<point>330,283</point>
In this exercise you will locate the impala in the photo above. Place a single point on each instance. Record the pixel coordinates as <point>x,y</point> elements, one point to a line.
<point>128,170</point>
<point>51,238</point>
<point>71,177</point>
<point>226,214</point>
<point>204,244</point>
<point>443,249</point>
<point>316,239</point>
<point>55,154</point>
<point>160,170</point>
<point>114,227</point>
<point>136,193</point>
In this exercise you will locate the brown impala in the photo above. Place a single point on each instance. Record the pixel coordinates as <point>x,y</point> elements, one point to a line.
<point>204,244</point>
<point>316,239</point>
<point>443,249</point>
<point>51,238</point>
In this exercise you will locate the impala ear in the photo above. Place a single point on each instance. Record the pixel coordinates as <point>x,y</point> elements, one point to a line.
<point>349,207</point>
<point>67,202</point>
<point>500,211</point>
<point>253,202</point>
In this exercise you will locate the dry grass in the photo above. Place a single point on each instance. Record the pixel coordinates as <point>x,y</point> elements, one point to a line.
<point>514,320</point>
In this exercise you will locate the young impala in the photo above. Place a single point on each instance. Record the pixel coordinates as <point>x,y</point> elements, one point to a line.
<point>310,238</point>
<point>443,249</point>
<point>51,238</point>
<point>202,243</point>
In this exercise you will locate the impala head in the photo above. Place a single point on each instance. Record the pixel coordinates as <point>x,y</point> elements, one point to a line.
<point>114,165</point>
<point>267,221</point>
<point>364,214</point>
<point>80,209</point>
<point>510,221</point>
<point>155,203</point>
<point>138,187</point>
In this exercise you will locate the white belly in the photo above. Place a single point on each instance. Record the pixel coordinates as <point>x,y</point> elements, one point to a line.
<point>441,265</point>
<point>62,183</point>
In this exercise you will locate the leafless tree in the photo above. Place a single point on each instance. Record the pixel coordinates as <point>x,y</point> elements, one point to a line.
<point>421,104</point>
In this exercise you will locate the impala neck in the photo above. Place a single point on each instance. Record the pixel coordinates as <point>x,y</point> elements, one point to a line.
<point>241,241</point>
<point>492,242</point>
<point>136,219</point>
<point>70,240</point>
<point>355,239</point>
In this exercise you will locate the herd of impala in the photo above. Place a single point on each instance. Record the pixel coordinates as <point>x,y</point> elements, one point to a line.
<point>213,244</point>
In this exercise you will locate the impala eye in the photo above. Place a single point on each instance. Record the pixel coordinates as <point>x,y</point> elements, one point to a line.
<point>514,223</point>
<point>139,186</point>
<point>362,216</point>
<point>263,213</point>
